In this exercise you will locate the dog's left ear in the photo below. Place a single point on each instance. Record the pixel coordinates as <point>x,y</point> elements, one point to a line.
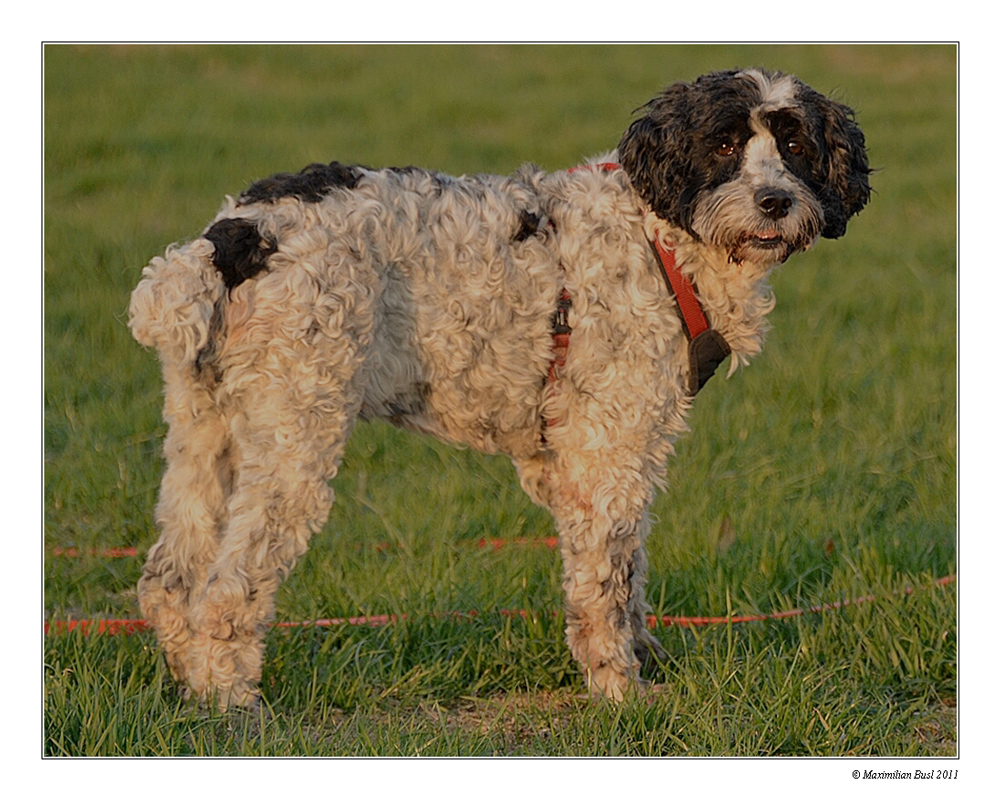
<point>846,191</point>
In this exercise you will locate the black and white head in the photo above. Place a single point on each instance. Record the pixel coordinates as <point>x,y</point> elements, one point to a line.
<point>752,161</point>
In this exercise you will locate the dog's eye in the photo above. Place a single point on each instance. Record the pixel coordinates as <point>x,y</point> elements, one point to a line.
<point>725,149</point>
<point>795,148</point>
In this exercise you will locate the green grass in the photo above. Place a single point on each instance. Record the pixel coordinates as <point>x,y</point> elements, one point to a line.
<point>826,470</point>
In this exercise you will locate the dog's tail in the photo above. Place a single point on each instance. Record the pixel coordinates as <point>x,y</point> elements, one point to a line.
<point>174,305</point>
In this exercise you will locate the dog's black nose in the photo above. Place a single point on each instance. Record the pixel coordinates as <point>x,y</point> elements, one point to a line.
<point>775,203</point>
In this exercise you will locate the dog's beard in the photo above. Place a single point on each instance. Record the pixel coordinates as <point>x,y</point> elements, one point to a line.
<point>728,218</point>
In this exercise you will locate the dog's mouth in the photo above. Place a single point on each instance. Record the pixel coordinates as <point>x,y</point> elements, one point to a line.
<point>767,246</point>
<point>766,240</point>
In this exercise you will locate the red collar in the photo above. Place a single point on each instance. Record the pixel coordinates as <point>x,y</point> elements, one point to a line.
<point>706,346</point>
<point>692,314</point>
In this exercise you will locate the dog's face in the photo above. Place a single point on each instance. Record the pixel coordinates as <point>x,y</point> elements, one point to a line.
<point>752,161</point>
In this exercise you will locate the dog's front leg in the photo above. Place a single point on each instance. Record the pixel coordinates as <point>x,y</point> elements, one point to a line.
<point>602,527</point>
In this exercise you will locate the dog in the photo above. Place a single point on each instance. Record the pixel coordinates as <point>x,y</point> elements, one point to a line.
<point>565,319</point>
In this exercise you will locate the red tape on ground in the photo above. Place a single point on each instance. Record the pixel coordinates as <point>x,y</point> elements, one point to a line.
<point>111,552</point>
<point>126,627</point>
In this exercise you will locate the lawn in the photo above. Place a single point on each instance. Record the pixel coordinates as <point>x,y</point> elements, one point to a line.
<point>824,472</point>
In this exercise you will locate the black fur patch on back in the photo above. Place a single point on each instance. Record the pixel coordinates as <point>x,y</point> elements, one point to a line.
<point>529,225</point>
<point>310,185</point>
<point>240,251</point>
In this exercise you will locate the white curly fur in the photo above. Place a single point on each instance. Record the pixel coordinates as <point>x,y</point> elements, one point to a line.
<point>423,299</point>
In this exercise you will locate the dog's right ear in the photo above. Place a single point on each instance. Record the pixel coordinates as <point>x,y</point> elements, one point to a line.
<point>657,153</point>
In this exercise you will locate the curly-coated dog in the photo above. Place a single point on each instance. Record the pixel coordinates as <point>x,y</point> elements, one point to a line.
<point>566,319</point>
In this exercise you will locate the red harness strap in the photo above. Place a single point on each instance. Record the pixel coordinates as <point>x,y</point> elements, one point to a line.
<point>560,320</point>
<point>560,334</point>
<point>605,166</point>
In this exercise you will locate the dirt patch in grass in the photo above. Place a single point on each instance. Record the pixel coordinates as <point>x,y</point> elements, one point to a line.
<point>519,723</point>
<point>521,716</point>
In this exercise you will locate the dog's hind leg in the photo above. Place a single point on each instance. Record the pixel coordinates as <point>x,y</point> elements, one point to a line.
<point>189,513</point>
<point>291,409</point>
